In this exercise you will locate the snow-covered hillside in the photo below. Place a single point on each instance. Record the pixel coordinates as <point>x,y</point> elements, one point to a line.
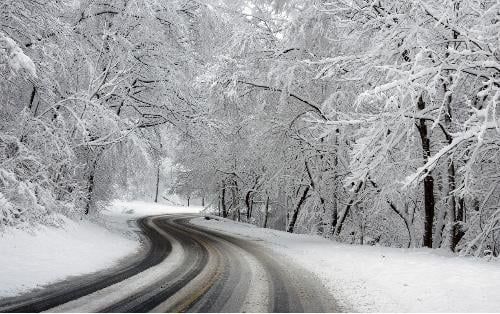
<point>381,279</point>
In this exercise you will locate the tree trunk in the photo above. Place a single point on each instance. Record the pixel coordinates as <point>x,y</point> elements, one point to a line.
<point>266,211</point>
<point>406,219</point>
<point>249,199</point>
<point>437,239</point>
<point>428,180</point>
<point>235,199</point>
<point>223,200</point>
<point>218,205</point>
<point>32,98</point>
<point>441,212</point>
<point>315,187</point>
<point>90,190</point>
<point>411,232</point>
<point>251,207</point>
<point>295,214</point>
<point>247,204</point>
<point>456,209</point>
<point>343,216</point>
<point>157,182</point>
<point>334,214</point>
<point>91,183</point>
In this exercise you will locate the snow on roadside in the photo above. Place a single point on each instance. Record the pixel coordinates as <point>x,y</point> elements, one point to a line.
<point>49,254</point>
<point>381,279</point>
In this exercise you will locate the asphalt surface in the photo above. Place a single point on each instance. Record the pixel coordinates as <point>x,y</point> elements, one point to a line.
<point>186,268</point>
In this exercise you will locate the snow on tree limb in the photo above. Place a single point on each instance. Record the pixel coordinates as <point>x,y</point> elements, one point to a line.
<point>15,57</point>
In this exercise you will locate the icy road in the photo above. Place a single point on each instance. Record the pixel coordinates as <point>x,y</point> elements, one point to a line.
<point>187,268</point>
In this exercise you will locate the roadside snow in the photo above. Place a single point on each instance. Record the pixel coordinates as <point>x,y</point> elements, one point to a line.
<point>380,279</point>
<point>49,254</point>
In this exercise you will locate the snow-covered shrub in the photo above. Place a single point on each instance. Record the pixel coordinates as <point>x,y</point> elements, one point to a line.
<point>31,188</point>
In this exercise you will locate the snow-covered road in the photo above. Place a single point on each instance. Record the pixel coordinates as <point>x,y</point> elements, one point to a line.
<point>190,268</point>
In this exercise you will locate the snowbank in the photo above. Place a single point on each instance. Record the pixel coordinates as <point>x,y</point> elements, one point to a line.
<point>48,254</point>
<point>380,279</point>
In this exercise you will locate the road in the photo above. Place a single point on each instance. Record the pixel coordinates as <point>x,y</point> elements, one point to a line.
<point>186,268</point>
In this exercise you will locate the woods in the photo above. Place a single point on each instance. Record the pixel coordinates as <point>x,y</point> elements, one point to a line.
<point>85,87</point>
<point>367,122</point>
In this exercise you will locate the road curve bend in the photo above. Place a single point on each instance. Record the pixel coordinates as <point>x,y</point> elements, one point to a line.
<point>188,268</point>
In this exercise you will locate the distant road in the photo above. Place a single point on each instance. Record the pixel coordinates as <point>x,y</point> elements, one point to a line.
<point>186,268</point>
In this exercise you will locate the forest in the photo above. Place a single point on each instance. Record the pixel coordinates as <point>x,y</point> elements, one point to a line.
<point>371,122</point>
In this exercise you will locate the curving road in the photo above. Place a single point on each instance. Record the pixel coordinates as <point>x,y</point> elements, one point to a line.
<point>186,268</point>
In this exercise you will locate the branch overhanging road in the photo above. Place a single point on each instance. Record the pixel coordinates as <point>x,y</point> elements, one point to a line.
<point>187,268</point>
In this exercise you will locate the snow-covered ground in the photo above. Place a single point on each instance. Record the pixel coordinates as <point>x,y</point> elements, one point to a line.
<point>47,254</point>
<point>380,279</point>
